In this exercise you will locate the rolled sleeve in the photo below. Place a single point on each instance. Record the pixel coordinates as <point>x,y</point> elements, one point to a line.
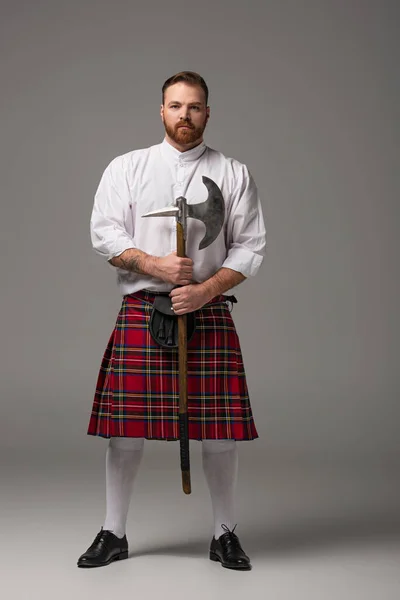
<point>111,211</point>
<point>246,233</point>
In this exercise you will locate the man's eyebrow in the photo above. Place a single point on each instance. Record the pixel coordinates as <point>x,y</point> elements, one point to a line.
<point>191,103</point>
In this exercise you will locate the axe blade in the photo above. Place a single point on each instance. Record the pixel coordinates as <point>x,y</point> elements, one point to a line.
<point>211,212</point>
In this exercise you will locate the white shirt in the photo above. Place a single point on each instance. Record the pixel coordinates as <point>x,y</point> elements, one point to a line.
<point>152,178</point>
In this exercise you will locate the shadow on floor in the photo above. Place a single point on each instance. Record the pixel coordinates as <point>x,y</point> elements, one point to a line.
<point>306,536</point>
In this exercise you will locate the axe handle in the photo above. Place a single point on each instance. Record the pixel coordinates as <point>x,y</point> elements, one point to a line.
<point>182,350</point>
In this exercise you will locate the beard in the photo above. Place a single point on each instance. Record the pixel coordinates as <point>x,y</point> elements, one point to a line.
<point>185,136</point>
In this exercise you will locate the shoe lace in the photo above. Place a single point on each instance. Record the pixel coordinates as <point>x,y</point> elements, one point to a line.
<point>100,537</point>
<point>230,538</point>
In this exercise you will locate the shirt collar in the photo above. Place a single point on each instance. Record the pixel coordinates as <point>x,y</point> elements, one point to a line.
<point>176,156</point>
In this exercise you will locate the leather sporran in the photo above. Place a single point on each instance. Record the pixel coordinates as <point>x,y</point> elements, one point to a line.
<point>164,323</point>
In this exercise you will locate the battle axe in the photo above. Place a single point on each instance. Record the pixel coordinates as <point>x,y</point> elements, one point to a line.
<point>211,213</point>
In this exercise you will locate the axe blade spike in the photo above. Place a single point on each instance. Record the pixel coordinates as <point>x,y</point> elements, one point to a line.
<point>167,211</point>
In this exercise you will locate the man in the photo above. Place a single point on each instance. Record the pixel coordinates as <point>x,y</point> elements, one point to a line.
<point>137,391</point>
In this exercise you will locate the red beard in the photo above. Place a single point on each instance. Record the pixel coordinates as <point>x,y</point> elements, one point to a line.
<point>184,136</point>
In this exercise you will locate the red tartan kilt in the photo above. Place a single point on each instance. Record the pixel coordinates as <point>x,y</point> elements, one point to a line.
<point>137,391</point>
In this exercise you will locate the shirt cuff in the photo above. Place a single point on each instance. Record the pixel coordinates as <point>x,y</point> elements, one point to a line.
<point>243,260</point>
<point>111,250</point>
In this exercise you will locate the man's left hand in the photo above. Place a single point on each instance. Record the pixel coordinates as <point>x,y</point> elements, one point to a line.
<point>188,298</point>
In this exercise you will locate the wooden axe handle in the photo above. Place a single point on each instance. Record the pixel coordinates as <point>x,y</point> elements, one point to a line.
<point>182,350</point>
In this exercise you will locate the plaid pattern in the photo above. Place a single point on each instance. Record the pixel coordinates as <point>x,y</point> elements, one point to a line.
<point>137,391</point>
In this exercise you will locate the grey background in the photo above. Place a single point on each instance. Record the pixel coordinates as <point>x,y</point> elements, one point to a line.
<point>307,95</point>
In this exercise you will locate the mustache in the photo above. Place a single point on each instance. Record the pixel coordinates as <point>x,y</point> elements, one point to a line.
<point>185,124</point>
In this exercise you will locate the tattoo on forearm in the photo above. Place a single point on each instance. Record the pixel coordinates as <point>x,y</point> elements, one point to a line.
<point>131,261</point>
<point>132,264</point>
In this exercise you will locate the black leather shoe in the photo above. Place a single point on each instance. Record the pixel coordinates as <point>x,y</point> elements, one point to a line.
<point>228,551</point>
<point>105,548</point>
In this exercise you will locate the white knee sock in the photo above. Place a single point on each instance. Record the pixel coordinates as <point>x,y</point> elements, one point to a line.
<point>122,463</point>
<point>220,465</point>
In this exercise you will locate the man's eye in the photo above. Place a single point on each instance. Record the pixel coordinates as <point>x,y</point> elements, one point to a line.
<point>196,107</point>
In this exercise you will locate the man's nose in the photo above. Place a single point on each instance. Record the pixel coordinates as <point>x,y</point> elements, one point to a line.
<point>184,113</point>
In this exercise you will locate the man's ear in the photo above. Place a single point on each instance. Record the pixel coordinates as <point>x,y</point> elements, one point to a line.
<point>162,112</point>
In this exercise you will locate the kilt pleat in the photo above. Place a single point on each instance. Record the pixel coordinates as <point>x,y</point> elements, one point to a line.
<point>137,389</point>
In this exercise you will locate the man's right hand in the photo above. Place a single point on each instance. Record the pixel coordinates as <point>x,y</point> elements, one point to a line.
<point>174,269</point>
